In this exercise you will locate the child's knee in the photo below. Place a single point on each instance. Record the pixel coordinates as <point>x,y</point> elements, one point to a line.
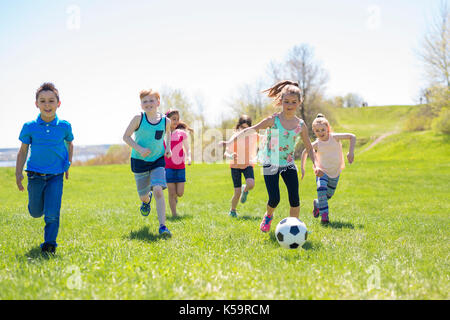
<point>180,193</point>
<point>173,195</point>
<point>35,212</point>
<point>273,202</point>
<point>250,183</point>
<point>158,192</point>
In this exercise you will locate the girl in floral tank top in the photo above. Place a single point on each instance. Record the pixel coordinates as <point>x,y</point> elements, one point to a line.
<point>277,152</point>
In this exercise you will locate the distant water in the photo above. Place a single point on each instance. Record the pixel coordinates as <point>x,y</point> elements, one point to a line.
<point>83,157</point>
<point>7,163</point>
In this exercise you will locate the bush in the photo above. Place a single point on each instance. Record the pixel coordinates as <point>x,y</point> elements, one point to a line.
<point>420,119</point>
<point>441,124</point>
<point>116,154</point>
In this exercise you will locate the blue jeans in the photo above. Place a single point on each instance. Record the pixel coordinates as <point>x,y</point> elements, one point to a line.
<point>44,198</point>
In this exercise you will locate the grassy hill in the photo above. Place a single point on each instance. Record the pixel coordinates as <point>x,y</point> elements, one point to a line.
<point>388,237</point>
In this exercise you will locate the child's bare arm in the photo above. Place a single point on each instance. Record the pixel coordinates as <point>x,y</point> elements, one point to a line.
<point>351,149</point>
<point>20,163</point>
<point>70,149</point>
<point>267,122</point>
<point>168,152</point>
<point>187,149</point>
<point>307,143</point>
<point>130,141</point>
<point>304,157</point>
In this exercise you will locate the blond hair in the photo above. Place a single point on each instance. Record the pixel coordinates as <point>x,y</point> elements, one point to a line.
<point>321,120</point>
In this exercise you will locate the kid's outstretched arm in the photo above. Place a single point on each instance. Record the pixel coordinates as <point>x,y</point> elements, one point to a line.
<point>303,159</point>
<point>129,140</point>
<point>20,162</point>
<point>309,149</point>
<point>351,149</point>
<point>267,122</point>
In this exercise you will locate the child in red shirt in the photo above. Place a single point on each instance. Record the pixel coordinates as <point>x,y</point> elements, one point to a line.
<point>175,165</point>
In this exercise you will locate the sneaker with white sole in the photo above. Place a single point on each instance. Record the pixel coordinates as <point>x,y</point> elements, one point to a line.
<point>145,207</point>
<point>316,208</point>
<point>265,223</point>
<point>244,194</point>
<point>324,220</point>
<point>163,231</point>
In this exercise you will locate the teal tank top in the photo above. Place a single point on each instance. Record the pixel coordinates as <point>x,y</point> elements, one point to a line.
<point>279,144</point>
<point>150,136</point>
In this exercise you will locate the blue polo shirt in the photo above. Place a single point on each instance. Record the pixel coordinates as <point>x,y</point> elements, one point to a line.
<point>48,150</point>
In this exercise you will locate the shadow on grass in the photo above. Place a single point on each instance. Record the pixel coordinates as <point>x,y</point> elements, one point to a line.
<point>179,217</point>
<point>249,218</point>
<point>308,245</point>
<point>36,253</point>
<point>312,245</point>
<point>342,225</point>
<point>144,234</point>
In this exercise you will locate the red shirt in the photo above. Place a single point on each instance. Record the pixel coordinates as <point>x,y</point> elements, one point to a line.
<point>176,146</point>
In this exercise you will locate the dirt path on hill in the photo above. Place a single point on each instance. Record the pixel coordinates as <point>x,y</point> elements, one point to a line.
<point>379,139</point>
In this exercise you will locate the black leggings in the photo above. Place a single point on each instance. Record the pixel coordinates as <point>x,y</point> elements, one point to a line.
<point>290,178</point>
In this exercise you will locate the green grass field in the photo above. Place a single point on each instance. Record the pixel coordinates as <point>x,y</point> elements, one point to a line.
<point>388,237</point>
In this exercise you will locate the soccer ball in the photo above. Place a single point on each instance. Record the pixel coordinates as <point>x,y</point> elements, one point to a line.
<point>291,233</point>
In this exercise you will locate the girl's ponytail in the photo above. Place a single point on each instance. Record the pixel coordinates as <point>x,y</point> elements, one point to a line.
<point>283,87</point>
<point>278,87</point>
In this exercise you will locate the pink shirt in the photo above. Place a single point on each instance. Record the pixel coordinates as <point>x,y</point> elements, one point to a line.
<point>176,146</point>
<point>329,157</point>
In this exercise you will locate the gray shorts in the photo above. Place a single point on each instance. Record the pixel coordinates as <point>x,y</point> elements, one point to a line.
<point>145,181</point>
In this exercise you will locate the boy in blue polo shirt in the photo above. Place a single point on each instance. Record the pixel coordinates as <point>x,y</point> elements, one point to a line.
<point>50,157</point>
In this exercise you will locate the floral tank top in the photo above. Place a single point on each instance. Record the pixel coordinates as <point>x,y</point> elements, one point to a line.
<point>277,149</point>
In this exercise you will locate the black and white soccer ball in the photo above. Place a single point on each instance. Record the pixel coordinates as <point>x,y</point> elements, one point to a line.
<point>291,233</point>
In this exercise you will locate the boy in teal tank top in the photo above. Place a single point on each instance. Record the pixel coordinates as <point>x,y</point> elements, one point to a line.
<point>147,155</point>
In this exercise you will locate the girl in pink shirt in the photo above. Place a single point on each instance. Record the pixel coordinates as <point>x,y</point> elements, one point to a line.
<point>175,165</point>
<point>329,163</point>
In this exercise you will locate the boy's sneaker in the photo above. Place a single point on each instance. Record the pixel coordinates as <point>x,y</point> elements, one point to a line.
<point>265,224</point>
<point>233,214</point>
<point>325,219</point>
<point>316,208</point>
<point>48,248</point>
<point>145,207</point>
<point>163,231</point>
<point>244,194</point>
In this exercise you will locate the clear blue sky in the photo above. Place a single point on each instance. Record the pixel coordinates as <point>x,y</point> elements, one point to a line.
<point>206,48</point>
